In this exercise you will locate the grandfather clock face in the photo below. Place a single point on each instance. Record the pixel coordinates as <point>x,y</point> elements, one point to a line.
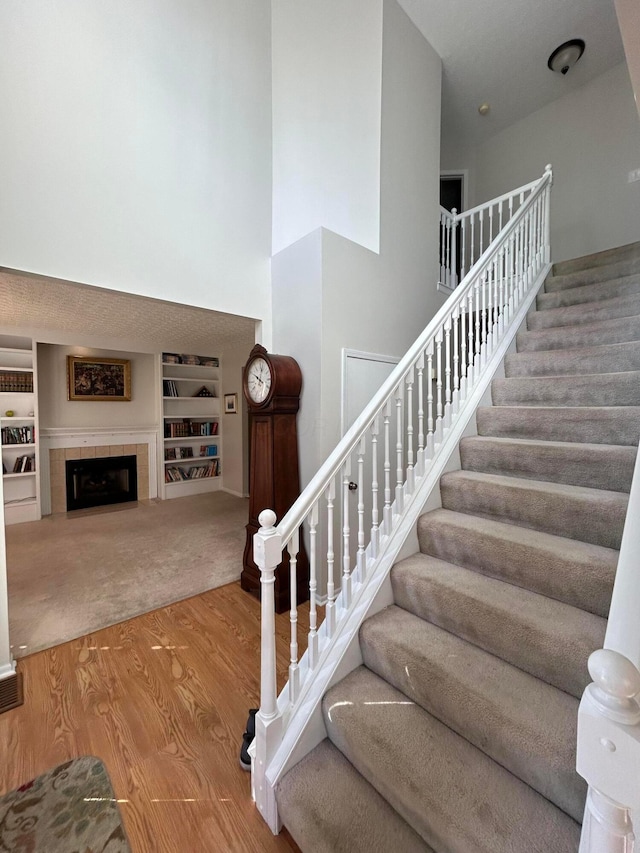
<point>272,385</point>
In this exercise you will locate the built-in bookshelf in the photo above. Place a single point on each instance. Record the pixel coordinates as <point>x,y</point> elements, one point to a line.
<point>191,457</point>
<point>19,429</point>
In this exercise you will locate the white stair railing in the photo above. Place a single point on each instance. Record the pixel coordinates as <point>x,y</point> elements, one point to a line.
<point>465,236</point>
<point>609,716</point>
<point>389,450</point>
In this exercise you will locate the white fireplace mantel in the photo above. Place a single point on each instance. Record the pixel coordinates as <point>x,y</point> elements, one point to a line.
<point>67,437</point>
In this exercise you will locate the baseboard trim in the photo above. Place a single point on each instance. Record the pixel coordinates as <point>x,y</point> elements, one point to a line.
<point>233,492</point>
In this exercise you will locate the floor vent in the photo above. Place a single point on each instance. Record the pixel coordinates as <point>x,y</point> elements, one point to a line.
<point>11,692</point>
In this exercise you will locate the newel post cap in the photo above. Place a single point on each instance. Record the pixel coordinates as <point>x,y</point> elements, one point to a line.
<point>267,519</point>
<point>267,543</point>
<point>616,686</point>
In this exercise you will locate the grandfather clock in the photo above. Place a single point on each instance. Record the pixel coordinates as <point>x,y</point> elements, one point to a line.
<point>272,385</point>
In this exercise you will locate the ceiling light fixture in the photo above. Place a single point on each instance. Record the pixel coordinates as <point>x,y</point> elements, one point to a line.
<point>565,57</point>
<point>483,109</point>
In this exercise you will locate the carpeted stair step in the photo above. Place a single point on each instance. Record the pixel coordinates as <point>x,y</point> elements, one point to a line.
<point>573,572</point>
<point>526,725</point>
<point>593,275</point>
<point>591,334</point>
<point>608,358</point>
<point>328,807</point>
<point>546,638</point>
<point>590,515</point>
<point>609,289</point>
<point>598,259</point>
<point>597,466</point>
<point>595,424</point>
<point>603,389</point>
<point>449,791</point>
<point>592,312</point>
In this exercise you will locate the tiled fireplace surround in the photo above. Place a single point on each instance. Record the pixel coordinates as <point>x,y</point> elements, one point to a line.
<point>59,446</point>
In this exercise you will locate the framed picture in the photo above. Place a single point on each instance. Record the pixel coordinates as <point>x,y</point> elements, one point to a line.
<point>98,379</point>
<point>231,404</point>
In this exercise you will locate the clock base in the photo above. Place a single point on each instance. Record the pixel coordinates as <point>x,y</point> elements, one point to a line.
<point>250,577</point>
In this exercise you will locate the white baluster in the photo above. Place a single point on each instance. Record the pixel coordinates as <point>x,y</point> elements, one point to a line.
<point>447,372</point>
<point>463,265</point>
<point>439,386</point>
<point>463,351</point>
<point>443,278</point>
<point>448,255</point>
<point>375,517</point>
<point>312,640</point>
<point>478,336</point>
<point>547,215</point>
<point>386,512</point>
<point>456,361</point>
<point>399,493</point>
<point>503,274</point>
<point>346,533</point>
<point>267,555</point>
<point>472,245</point>
<point>483,318</point>
<point>420,454</point>
<point>609,753</point>
<point>294,671</point>
<point>491,224</point>
<point>500,215</point>
<point>330,614</point>
<point>430,425</point>
<point>361,560</point>
<point>410,460</point>
<point>481,218</point>
<point>454,257</point>
<point>470,339</point>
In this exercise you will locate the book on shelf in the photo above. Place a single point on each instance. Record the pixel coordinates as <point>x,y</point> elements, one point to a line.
<point>208,450</point>
<point>16,382</point>
<point>174,474</point>
<point>191,360</point>
<point>17,435</point>
<point>188,428</point>
<point>169,388</point>
<point>24,464</point>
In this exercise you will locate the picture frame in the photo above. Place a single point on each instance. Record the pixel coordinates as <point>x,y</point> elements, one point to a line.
<point>231,404</point>
<point>96,379</point>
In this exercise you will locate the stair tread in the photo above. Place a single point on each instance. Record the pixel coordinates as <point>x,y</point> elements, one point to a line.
<point>599,466</point>
<point>597,424</point>
<point>617,307</point>
<point>455,796</point>
<point>548,639</point>
<point>593,274</point>
<point>594,260</point>
<point>572,360</point>
<point>574,572</point>
<point>328,807</point>
<point>615,330</point>
<point>590,292</point>
<point>598,389</point>
<point>523,723</point>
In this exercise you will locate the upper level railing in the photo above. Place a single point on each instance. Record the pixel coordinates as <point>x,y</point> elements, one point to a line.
<point>609,716</point>
<point>387,452</point>
<point>465,236</point>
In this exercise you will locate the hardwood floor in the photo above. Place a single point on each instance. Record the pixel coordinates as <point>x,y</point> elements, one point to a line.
<point>163,700</point>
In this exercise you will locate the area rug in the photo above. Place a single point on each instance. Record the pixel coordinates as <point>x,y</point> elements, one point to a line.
<point>71,809</point>
<point>72,574</point>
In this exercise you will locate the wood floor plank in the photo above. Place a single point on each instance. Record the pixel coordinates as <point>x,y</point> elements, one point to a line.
<point>163,700</point>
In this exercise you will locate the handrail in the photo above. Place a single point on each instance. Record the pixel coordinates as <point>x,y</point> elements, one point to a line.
<point>497,200</point>
<point>388,451</point>
<point>332,464</point>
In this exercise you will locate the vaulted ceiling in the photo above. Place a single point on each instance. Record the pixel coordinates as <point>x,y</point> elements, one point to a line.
<point>496,51</point>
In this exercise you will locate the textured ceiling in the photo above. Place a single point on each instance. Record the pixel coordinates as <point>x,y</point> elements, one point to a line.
<point>497,51</point>
<point>65,311</point>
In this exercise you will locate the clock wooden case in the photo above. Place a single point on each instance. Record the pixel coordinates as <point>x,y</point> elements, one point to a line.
<point>272,385</point>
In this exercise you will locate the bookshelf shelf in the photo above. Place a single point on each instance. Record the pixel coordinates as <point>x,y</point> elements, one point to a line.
<point>19,432</point>
<point>191,420</point>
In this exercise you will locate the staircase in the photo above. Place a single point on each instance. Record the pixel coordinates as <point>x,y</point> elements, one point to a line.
<point>459,731</point>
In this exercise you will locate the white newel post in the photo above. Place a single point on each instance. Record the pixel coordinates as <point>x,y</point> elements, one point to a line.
<point>609,753</point>
<point>267,554</point>
<point>7,664</point>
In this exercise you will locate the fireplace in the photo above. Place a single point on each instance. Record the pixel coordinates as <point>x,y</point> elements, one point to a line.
<point>99,482</point>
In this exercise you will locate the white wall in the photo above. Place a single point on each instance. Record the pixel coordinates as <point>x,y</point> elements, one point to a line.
<point>330,292</point>
<point>592,138</point>
<point>56,410</point>
<point>326,119</point>
<point>628,12</point>
<point>136,147</point>
<point>234,427</point>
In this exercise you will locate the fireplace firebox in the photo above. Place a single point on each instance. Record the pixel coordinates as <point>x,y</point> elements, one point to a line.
<point>100,482</point>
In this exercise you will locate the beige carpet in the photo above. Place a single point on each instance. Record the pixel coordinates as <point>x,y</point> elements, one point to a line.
<point>72,574</point>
